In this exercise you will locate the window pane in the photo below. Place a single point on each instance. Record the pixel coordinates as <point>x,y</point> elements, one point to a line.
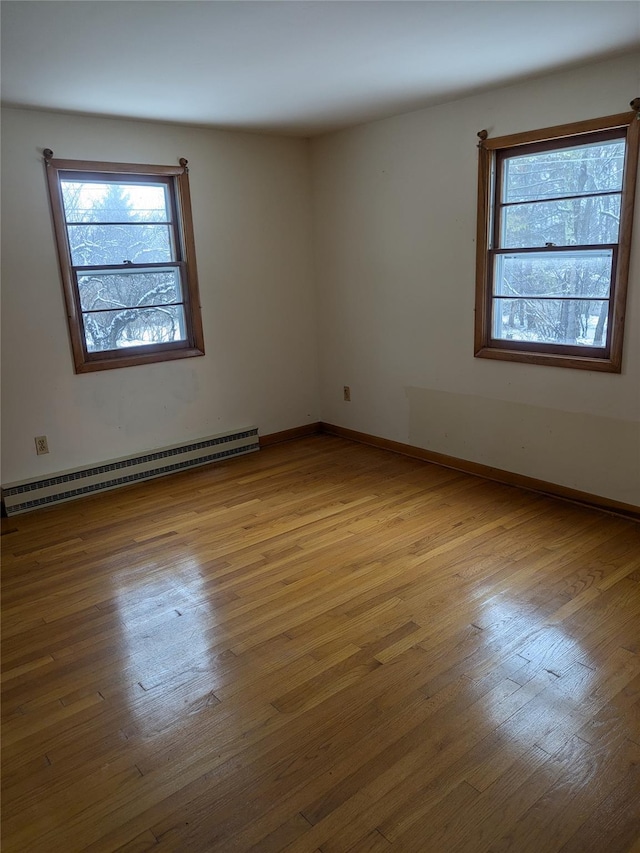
<point>95,245</point>
<point>105,289</point>
<point>554,321</point>
<point>585,273</point>
<point>86,201</point>
<point>572,222</point>
<point>582,169</point>
<point>134,327</point>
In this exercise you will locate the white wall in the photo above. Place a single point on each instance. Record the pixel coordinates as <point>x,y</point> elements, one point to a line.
<point>395,218</point>
<point>251,210</point>
<point>394,206</point>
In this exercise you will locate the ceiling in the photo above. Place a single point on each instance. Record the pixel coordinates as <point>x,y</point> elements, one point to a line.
<point>301,67</point>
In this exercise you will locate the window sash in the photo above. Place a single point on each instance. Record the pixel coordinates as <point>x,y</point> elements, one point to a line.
<point>493,152</point>
<point>131,270</point>
<point>178,206</point>
<point>498,249</point>
<point>498,205</point>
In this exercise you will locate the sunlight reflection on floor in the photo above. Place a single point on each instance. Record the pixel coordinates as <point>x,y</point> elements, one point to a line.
<point>166,641</point>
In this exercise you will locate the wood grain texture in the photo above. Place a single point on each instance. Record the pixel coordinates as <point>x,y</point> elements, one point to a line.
<point>626,232</point>
<point>321,647</point>
<point>559,131</point>
<point>487,471</point>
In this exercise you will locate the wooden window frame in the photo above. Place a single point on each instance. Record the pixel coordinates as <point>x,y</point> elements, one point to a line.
<point>491,153</point>
<point>176,178</point>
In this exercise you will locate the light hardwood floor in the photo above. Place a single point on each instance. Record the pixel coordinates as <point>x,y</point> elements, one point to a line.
<point>321,647</point>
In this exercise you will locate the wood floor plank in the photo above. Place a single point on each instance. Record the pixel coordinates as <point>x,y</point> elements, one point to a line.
<point>320,647</point>
<point>571,799</point>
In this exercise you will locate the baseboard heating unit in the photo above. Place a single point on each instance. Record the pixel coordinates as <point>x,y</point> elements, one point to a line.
<point>67,485</point>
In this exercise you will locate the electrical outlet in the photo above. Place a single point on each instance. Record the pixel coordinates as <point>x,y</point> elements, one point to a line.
<point>347,394</point>
<point>42,446</point>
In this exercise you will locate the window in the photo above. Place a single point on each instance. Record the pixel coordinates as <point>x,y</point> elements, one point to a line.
<point>555,211</point>
<point>127,257</point>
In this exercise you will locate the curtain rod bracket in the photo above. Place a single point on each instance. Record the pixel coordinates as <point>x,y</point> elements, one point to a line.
<point>482,135</point>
